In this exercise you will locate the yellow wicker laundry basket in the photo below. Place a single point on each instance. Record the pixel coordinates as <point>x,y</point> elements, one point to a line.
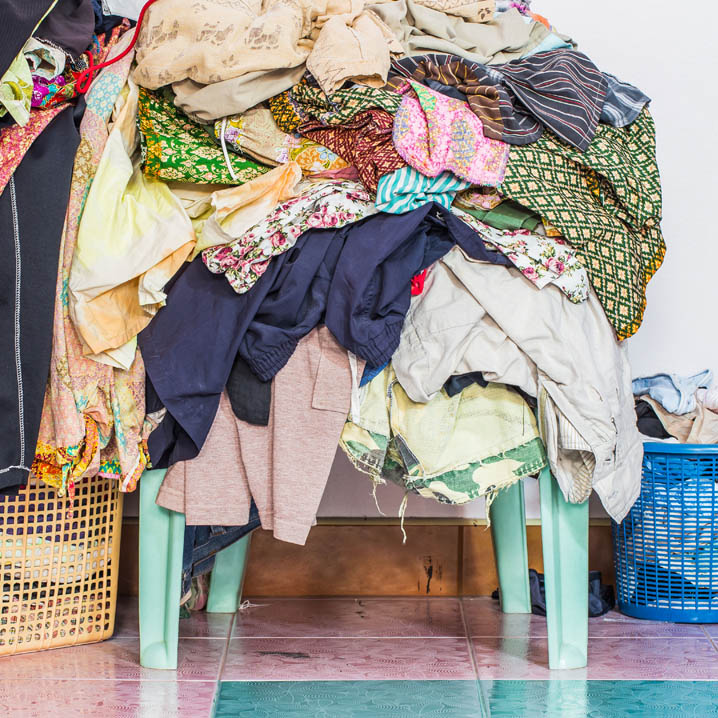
<point>59,566</point>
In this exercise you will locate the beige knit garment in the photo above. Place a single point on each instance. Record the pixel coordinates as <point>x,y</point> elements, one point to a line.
<point>284,466</point>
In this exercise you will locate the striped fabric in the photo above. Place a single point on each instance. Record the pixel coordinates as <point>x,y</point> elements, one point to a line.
<point>406,189</point>
<point>563,89</point>
<point>623,103</point>
<point>483,99</point>
<point>559,89</point>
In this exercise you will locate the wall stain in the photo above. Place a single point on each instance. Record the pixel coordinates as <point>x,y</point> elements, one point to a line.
<point>429,571</point>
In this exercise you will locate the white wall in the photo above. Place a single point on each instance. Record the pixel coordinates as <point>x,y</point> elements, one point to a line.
<point>672,56</point>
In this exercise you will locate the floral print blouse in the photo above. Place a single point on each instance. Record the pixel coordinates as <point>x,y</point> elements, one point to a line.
<point>324,205</point>
<point>541,259</point>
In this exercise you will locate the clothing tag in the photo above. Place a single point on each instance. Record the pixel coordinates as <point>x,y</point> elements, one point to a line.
<point>354,410</point>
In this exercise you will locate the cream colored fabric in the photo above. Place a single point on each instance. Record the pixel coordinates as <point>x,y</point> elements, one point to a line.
<point>471,10</point>
<point>564,354</point>
<point>359,52</point>
<point>133,236</point>
<point>218,40</point>
<point>238,209</point>
<point>206,103</point>
<point>215,40</point>
<point>507,37</point>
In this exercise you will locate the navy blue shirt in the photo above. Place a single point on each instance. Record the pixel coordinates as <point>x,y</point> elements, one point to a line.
<point>355,279</point>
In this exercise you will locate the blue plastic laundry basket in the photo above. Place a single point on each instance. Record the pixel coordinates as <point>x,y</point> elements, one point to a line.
<point>666,550</point>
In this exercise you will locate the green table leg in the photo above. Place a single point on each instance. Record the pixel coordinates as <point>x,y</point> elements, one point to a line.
<point>564,532</point>
<point>508,533</point>
<point>225,588</point>
<point>161,546</point>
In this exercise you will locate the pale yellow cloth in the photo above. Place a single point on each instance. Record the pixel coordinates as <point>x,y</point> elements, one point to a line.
<point>133,236</point>
<point>16,91</point>
<point>453,449</point>
<point>238,209</point>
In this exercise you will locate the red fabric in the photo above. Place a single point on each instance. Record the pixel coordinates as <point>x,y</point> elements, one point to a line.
<point>84,78</point>
<point>417,283</point>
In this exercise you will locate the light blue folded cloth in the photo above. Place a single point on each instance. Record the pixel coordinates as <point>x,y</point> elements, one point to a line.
<point>677,394</point>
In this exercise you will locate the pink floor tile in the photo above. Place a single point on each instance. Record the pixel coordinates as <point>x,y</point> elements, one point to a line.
<point>274,659</point>
<point>200,625</point>
<point>608,659</point>
<point>711,629</point>
<point>379,617</point>
<point>484,618</point>
<point>116,659</point>
<point>110,699</point>
<point>615,625</point>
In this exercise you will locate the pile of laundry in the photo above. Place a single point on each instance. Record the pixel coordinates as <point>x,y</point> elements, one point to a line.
<point>416,229</point>
<point>677,408</point>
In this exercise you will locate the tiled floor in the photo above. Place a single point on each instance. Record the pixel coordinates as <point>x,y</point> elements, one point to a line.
<point>372,657</point>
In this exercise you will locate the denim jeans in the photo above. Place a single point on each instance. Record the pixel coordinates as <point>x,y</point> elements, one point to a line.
<point>203,543</point>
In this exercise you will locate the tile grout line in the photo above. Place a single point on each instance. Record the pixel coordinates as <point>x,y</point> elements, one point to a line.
<point>467,636</point>
<point>710,638</point>
<point>345,637</point>
<point>483,702</point>
<point>222,662</point>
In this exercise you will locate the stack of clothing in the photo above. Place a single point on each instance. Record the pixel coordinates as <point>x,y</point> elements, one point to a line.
<point>416,229</point>
<point>677,408</point>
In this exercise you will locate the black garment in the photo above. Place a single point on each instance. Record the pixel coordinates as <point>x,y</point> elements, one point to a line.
<point>601,598</point>
<point>249,396</point>
<point>70,24</point>
<point>648,422</point>
<point>203,543</point>
<point>32,213</point>
<point>359,288</point>
<point>456,384</point>
<point>19,18</point>
<point>105,23</point>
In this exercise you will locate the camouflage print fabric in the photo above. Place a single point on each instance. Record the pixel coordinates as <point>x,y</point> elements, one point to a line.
<point>606,202</point>
<point>452,449</point>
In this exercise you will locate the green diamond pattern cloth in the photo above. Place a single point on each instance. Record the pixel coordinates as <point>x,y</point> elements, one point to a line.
<point>607,203</point>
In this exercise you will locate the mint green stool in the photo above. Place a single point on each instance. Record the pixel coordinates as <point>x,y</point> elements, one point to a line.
<point>564,535</point>
<point>161,546</point>
<point>564,529</point>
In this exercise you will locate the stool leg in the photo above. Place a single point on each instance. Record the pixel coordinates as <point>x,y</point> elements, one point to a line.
<point>564,533</point>
<point>225,587</point>
<point>161,547</point>
<point>508,533</point>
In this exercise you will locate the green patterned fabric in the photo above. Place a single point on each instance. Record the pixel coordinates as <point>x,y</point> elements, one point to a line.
<point>303,102</point>
<point>452,449</point>
<point>343,105</point>
<point>176,148</point>
<point>606,202</point>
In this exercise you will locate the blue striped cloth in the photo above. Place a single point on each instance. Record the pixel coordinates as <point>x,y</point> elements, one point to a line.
<point>406,189</point>
<point>623,103</point>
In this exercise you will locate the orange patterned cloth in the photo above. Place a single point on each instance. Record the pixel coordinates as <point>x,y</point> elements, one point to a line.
<point>93,419</point>
<point>15,141</point>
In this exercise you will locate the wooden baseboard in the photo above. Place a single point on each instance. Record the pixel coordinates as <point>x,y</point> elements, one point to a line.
<point>367,558</point>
